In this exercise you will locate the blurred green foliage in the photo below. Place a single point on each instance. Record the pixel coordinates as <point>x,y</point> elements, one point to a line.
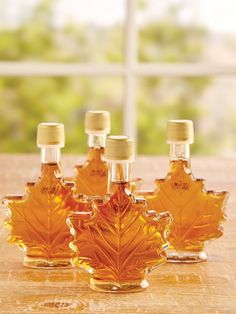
<point>27,101</point>
<point>161,99</point>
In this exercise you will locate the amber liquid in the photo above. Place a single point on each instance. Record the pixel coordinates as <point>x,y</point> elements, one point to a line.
<point>37,221</point>
<point>119,241</point>
<point>197,213</point>
<point>91,178</point>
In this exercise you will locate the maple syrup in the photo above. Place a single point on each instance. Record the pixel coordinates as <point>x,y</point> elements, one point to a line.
<point>37,221</point>
<point>91,178</point>
<point>118,240</point>
<point>197,213</point>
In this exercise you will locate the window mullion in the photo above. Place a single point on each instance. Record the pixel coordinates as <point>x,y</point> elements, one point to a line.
<point>130,63</point>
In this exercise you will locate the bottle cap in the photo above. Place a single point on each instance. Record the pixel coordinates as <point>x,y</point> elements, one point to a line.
<point>119,148</point>
<point>180,131</point>
<point>51,134</point>
<point>97,121</point>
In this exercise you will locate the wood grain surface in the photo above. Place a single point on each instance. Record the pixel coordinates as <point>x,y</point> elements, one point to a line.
<point>208,287</point>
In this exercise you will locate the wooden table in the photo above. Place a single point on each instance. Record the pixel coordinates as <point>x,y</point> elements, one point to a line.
<point>208,287</point>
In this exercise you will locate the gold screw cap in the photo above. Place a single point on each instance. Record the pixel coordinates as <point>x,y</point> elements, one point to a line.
<point>97,121</point>
<point>119,148</point>
<point>51,134</point>
<point>180,131</point>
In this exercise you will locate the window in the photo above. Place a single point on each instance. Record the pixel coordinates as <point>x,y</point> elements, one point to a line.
<point>147,61</point>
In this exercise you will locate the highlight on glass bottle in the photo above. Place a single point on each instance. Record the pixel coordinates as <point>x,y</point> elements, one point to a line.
<point>91,178</point>
<point>117,239</point>
<point>197,213</point>
<point>37,220</point>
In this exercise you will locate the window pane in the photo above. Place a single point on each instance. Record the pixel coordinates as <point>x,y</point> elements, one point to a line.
<point>209,102</point>
<point>187,31</point>
<point>64,30</point>
<point>25,102</point>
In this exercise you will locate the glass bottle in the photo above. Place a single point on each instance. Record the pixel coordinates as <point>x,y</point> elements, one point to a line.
<point>91,178</point>
<point>37,221</point>
<point>197,213</point>
<point>118,240</point>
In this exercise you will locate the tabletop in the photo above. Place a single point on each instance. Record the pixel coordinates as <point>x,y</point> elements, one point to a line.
<point>207,287</point>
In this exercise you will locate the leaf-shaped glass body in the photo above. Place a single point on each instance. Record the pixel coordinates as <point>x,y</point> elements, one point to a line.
<point>118,241</point>
<point>197,213</point>
<point>91,178</point>
<point>37,221</point>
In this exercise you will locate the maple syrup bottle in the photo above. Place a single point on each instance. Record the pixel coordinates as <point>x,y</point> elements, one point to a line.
<point>37,221</point>
<point>91,178</point>
<point>197,213</point>
<point>117,239</point>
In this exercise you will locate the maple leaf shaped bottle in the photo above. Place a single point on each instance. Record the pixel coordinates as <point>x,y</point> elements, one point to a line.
<point>118,240</point>
<point>197,213</point>
<point>37,221</point>
<point>91,178</point>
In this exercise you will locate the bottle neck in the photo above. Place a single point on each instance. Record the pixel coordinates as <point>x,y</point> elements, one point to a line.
<point>118,174</point>
<point>180,151</point>
<point>96,140</point>
<point>50,155</point>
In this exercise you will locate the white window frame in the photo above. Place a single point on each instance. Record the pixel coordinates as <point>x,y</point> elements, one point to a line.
<point>130,70</point>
